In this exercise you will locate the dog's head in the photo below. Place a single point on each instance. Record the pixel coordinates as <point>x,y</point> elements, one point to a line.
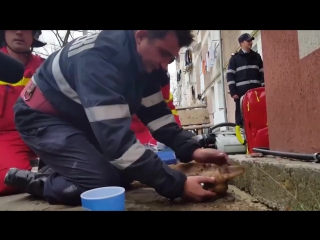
<point>221,174</point>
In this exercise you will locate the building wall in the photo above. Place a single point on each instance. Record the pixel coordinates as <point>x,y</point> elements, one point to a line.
<point>210,101</point>
<point>212,88</point>
<point>257,44</point>
<point>179,90</point>
<point>215,89</point>
<point>229,45</point>
<point>292,73</point>
<point>189,80</point>
<point>183,97</point>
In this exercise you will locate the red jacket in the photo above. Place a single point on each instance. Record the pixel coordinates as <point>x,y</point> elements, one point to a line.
<point>142,132</point>
<point>9,93</point>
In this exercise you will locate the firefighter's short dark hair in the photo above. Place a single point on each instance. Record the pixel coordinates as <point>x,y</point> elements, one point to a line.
<point>185,37</point>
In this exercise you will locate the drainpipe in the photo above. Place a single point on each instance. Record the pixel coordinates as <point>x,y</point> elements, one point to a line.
<point>222,79</point>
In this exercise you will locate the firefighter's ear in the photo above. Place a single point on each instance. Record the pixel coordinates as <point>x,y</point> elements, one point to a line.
<point>140,35</point>
<point>233,172</point>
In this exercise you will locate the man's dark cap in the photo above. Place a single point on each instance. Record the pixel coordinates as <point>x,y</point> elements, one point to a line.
<point>245,37</point>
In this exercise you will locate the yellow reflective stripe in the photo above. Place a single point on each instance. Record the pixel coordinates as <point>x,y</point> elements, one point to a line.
<point>258,100</point>
<point>170,98</point>
<point>174,112</point>
<point>23,82</point>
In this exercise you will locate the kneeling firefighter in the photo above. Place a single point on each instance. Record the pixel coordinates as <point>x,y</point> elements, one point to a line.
<point>19,45</point>
<point>141,131</point>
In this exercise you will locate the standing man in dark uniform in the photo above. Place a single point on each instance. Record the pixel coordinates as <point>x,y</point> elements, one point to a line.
<point>76,115</point>
<point>245,72</point>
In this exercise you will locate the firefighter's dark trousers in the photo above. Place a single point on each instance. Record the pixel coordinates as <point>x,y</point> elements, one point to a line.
<point>77,163</point>
<point>238,112</point>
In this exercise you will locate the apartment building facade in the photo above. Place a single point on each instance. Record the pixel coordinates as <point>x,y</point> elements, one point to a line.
<point>292,72</point>
<point>202,81</point>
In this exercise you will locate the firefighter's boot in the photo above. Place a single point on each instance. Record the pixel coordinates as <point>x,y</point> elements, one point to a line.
<point>26,181</point>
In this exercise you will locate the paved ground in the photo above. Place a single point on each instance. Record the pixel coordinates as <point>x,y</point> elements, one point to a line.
<point>281,184</point>
<point>144,199</point>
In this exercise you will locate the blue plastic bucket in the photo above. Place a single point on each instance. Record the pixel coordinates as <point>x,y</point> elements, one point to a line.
<point>104,199</point>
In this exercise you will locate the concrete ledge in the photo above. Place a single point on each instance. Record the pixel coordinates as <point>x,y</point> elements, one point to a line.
<point>280,183</point>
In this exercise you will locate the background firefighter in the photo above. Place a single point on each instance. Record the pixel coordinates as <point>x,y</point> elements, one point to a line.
<point>142,132</point>
<point>19,45</point>
<point>245,72</point>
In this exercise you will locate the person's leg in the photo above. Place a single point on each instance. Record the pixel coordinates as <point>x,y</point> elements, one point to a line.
<point>14,154</point>
<point>77,164</point>
<point>238,116</point>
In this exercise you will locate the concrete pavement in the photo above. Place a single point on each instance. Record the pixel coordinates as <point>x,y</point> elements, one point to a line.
<point>280,184</point>
<point>144,199</point>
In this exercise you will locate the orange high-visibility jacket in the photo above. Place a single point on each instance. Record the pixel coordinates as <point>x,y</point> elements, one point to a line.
<point>142,132</point>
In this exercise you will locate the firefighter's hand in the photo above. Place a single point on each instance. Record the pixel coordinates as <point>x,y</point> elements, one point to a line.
<point>208,155</point>
<point>235,96</point>
<point>193,191</point>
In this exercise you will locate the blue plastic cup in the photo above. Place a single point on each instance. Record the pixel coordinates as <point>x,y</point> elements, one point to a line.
<point>104,199</point>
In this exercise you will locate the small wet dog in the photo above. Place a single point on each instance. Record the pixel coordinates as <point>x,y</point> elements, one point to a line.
<point>221,174</point>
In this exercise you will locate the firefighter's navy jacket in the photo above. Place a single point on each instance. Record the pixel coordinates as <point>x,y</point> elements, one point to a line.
<point>96,83</point>
<point>245,72</point>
